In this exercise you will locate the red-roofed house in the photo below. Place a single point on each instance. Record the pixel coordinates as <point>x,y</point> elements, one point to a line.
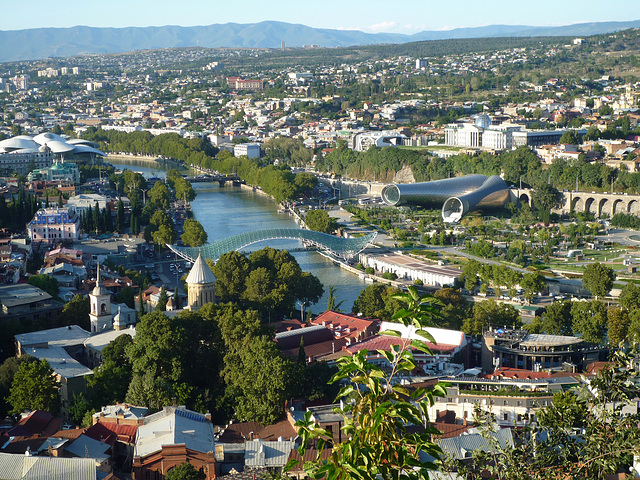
<point>449,343</point>
<point>346,325</point>
<point>38,422</point>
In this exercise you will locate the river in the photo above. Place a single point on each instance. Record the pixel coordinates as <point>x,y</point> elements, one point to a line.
<point>226,211</point>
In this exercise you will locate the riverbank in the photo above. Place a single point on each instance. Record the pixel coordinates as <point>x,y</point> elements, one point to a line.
<point>144,158</point>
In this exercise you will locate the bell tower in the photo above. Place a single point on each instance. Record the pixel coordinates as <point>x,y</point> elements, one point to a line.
<point>100,307</point>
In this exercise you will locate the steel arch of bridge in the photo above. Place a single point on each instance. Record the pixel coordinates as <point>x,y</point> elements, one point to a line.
<point>338,246</point>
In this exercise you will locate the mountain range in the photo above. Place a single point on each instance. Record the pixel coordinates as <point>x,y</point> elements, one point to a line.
<point>40,43</point>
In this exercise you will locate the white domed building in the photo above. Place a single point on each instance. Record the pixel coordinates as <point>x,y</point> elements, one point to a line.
<point>18,154</point>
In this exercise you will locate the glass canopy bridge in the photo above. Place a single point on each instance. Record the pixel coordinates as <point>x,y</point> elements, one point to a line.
<point>337,246</point>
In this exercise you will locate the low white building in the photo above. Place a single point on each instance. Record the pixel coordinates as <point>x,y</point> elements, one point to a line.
<point>408,268</point>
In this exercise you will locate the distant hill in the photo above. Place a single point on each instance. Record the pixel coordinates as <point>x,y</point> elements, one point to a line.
<point>40,43</point>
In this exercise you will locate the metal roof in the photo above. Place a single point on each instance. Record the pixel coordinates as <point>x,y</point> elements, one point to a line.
<point>21,467</point>
<point>339,246</point>
<point>541,340</point>
<point>24,294</point>
<point>54,337</point>
<point>101,340</point>
<point>85,446</point>
<point>174,426</point>
<point>200,273</point>
<point>463,446</point>
<point>259,453</point>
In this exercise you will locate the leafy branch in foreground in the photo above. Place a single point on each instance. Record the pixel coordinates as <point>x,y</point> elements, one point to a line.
<point>587,433</point>
<point>378,410</point>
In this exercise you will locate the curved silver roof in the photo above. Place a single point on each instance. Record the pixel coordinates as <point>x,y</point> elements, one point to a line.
<point>82,141</point>
<point>458,196</point>
<point>55,143</point>
<point>20,142</point>
<point>425,193</point>
<point>494,193</point>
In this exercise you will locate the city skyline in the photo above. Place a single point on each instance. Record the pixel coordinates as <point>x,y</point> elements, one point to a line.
<point>371,17</point>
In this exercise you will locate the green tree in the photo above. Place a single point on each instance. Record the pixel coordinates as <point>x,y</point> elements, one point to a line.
<point>587,433</point>
<point>590,320</point>
<point>127,296</point>
<point>230,271</point>
<point>570,137</point>
<point>545,198</point>
<point>557,319</point>
<point>184,190</point>
<point>618,321</point>
<point>45,282</point>
<point>258,380</point>
<point>331,300</point>
<point>8,371</point>
<point>185,471</point>
<point>598,279</point>
<point>163,236</point>
<point>110,381</point>
<point>163,298</point>
<point>320,221</point>
<point>194,234</point>
<point>633,330</point>
<point>120,216</point>
<point>377,301</point>
<point>630,296</point>
<point>378,445</point>
<point>78,408</point>
<point>532,283</point>
<point>34,387</point>
<point>490,313</point>
<point>159,196</point>
<point>76,312</point>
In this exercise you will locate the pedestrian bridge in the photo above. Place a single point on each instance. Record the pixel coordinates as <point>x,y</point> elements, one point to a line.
<point>597,203</point>
<point>337,246</point>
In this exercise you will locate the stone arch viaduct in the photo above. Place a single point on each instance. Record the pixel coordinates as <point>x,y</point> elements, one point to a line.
<point>593,202</point>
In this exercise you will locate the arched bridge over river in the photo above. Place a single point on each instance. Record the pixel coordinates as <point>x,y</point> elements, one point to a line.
<point>337,246</point>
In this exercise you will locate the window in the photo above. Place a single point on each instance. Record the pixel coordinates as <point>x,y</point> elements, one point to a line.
<point>506,417</point>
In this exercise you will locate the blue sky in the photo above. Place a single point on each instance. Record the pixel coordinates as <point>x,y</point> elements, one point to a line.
<point>406,16</point>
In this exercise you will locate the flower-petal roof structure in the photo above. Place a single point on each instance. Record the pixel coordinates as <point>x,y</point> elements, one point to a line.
<point>55,143</point>
<point>458,196</point>
<point>337,246</point>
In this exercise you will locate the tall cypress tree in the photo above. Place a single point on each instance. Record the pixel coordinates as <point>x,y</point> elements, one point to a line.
<point>120,216</point>
<point>89,220</point>
<point>96,219</point>
<point>108,219</point>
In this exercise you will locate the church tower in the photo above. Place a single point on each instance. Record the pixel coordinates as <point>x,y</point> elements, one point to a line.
<point>200,284</point>
<point>100,303</point>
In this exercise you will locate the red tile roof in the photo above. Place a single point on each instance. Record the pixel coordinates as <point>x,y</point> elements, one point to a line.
<point>110,432</point>
<point>37,422</point>
<point>346,325</point>
<point>318,349</point>
<point>384,342</point>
